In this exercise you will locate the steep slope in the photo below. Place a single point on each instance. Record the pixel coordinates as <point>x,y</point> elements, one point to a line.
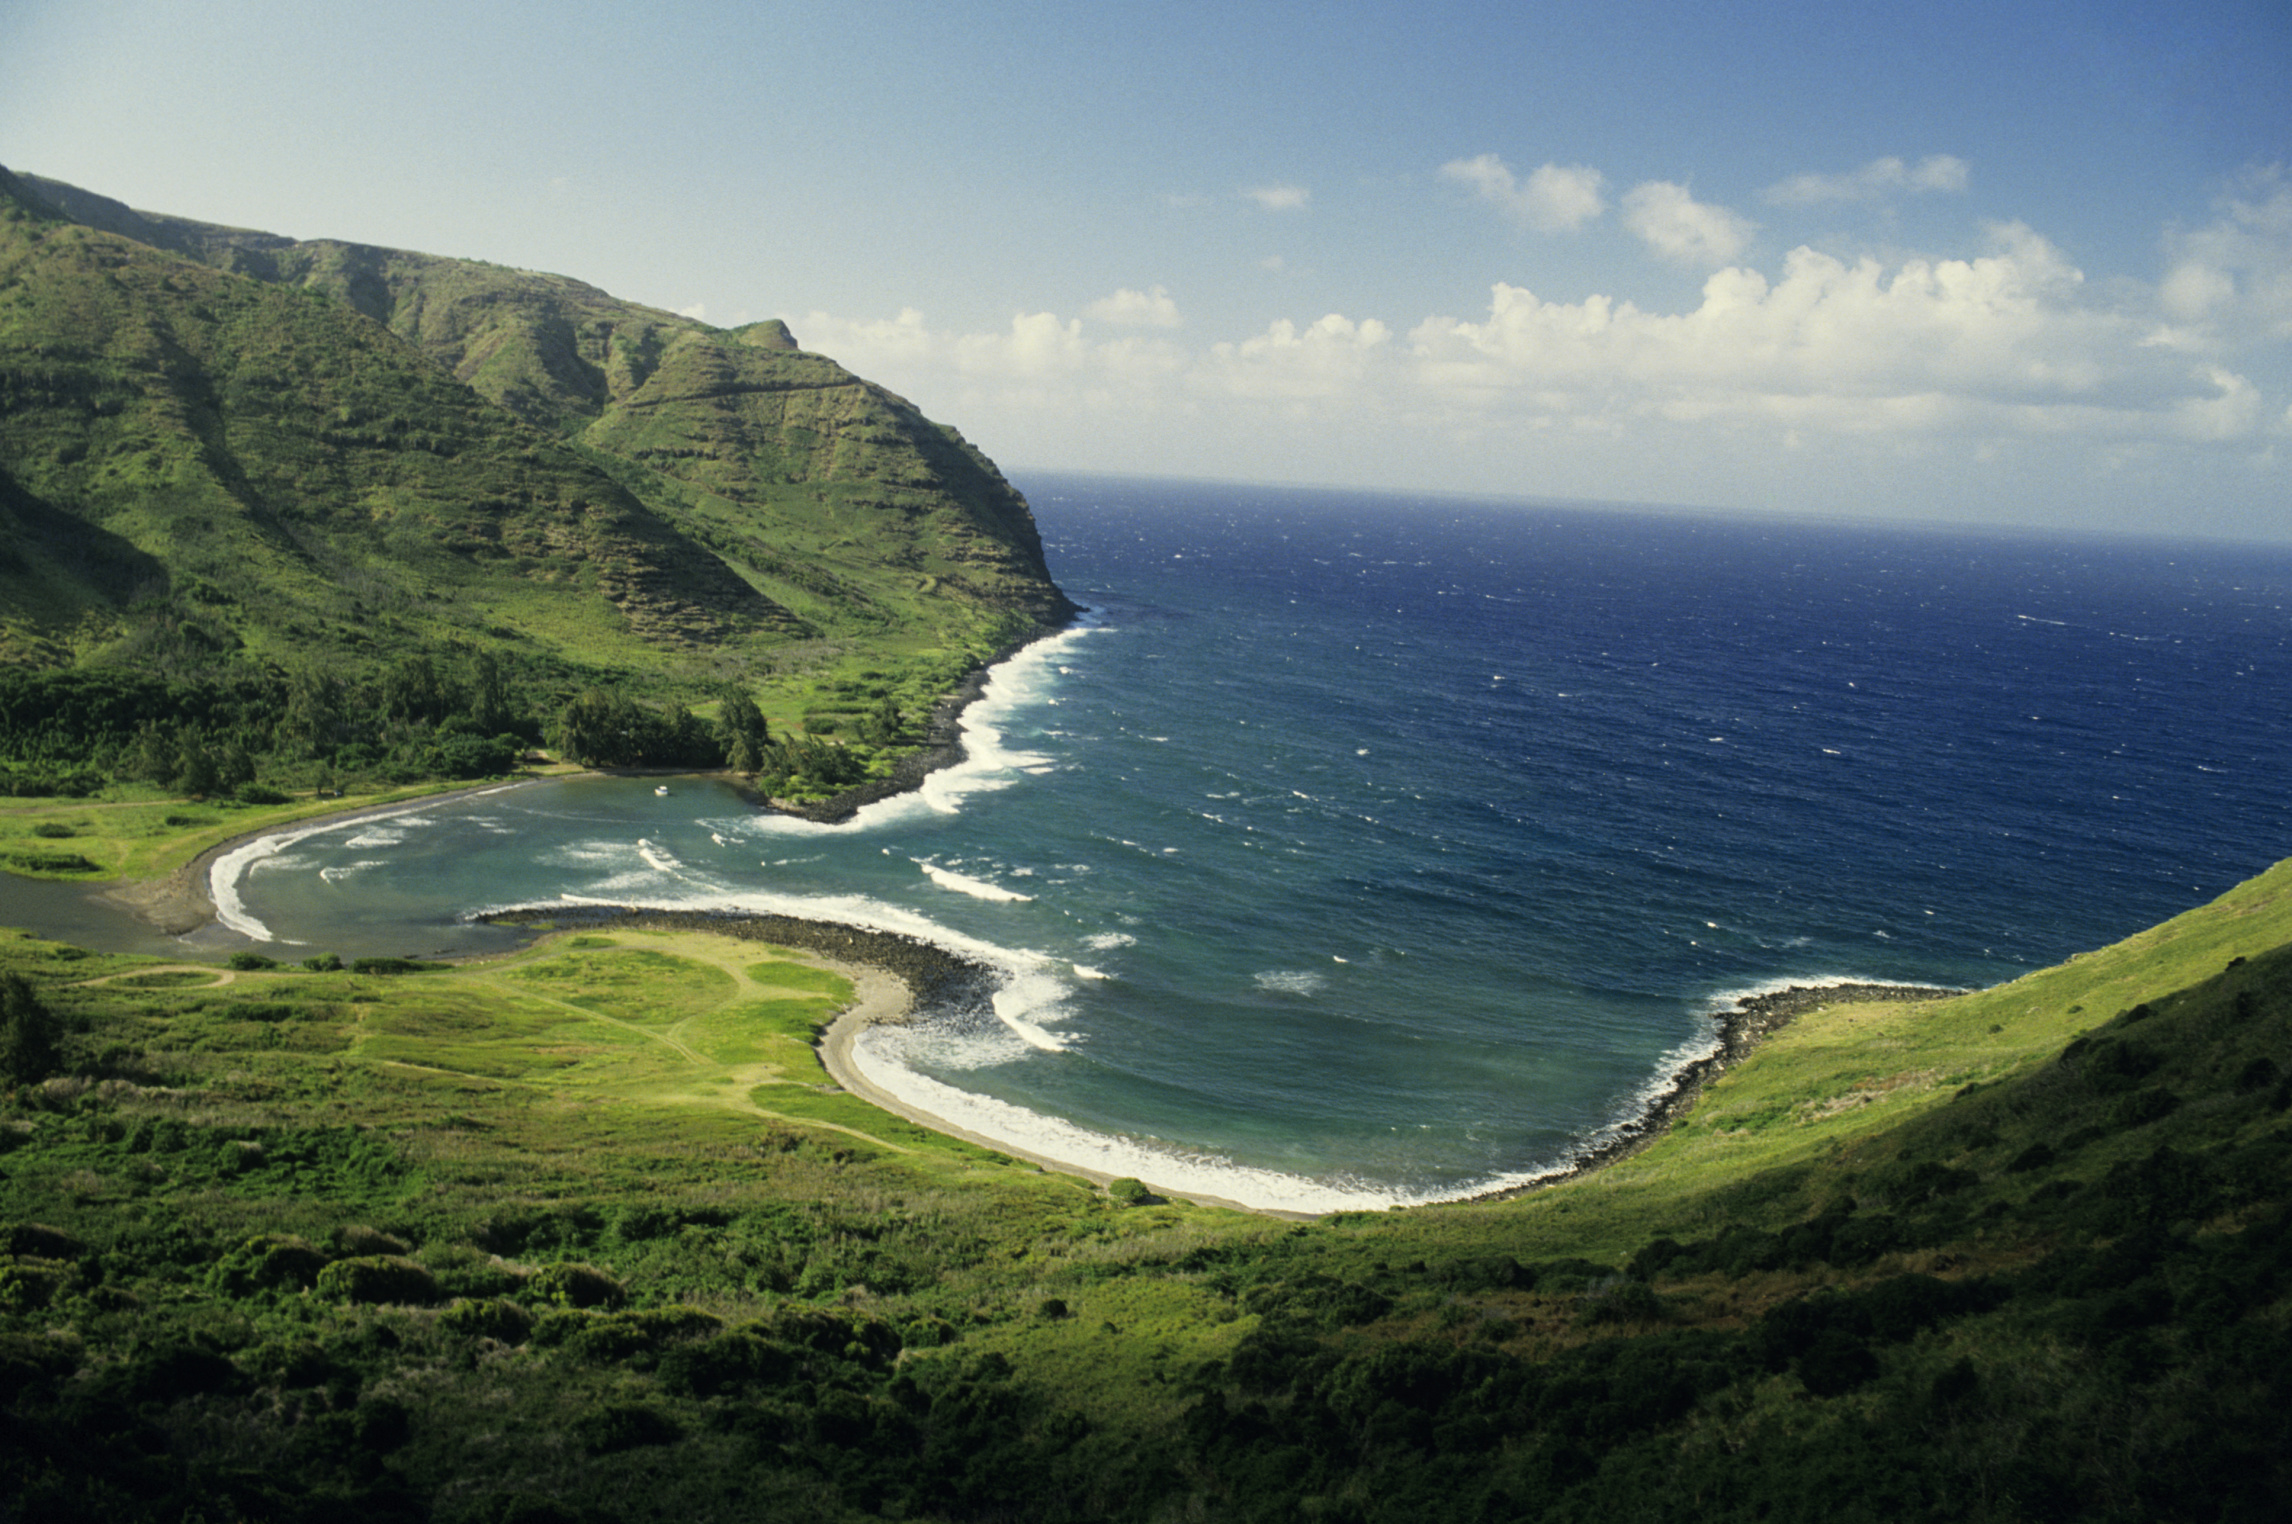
<point>216,442</point>
<point>831,495</point>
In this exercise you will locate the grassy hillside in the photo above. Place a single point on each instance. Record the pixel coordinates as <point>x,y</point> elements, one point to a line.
<point>228,456</point>
<point>587,1234</point>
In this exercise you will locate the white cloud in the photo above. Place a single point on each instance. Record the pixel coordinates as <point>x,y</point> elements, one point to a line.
<point>1322,360</point>
<point>1873,181</point>
<point>1551,200</point>
<point>2005,356</point>
<point>1136,309</point>
<point>2231,280</point>
<point>1279,198</point>
<point>698,312</point>
<point>1683,229</point>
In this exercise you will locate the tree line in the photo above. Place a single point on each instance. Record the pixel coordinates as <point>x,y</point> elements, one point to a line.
<point>451,714</point>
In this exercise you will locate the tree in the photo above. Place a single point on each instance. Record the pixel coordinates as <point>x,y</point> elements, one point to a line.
<point>738,719</point>
<point>489,694</point>
<point>195,772</point>
<point>28,1052</point>
<point>743,757</point>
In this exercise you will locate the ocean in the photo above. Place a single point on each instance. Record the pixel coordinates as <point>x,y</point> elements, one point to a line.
<point>1360,849</point>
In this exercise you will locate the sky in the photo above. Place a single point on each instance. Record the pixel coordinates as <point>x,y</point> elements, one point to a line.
<point>2021,264</point>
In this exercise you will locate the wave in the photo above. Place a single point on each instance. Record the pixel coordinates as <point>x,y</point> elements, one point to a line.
<point>977,888</point>
<point>989,763</point>
<point>229,871</point>
<point>1285,981</point>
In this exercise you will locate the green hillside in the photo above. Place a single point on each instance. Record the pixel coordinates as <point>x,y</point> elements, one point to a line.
<point>587,1234</point>
<point>225,453</point>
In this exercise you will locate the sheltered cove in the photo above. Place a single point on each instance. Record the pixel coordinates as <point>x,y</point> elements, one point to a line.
<point>936,980</point>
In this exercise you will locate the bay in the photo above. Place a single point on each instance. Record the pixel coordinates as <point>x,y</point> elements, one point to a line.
<point>1363,849</point>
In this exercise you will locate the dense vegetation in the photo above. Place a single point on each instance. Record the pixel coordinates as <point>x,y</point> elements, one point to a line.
<point>585,1234</point>
<point>241,477</point>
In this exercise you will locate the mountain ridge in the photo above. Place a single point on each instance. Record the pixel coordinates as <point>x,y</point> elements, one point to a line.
<point>503,458</point>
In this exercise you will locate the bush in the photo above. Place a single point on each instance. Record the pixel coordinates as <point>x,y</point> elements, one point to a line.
<point>251,962</point>
<point>573,1285</point>
<point>256,793</point>
<point>378,1278</point>
<point>492,1318</point>
<point>269,1262</point>
<point>624,1426</point>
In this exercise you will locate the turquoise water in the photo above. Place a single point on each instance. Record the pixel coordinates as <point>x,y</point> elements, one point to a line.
<point>1362,849</point>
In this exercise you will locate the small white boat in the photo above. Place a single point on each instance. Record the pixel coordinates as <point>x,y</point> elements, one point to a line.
<point>664,788</point>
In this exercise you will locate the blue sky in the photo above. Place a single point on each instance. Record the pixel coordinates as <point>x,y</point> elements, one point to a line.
<point>2024,264</point>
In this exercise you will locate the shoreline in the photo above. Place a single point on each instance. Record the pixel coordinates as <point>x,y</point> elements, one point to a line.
<point>180,904</point>
<point>895,975</point>
<point>1745,1024</point>
<point>924,974</point>
<point>892,975</point>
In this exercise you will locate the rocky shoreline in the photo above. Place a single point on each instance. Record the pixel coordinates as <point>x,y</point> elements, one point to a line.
<point>1751,1020</point>
<point>942,746</point>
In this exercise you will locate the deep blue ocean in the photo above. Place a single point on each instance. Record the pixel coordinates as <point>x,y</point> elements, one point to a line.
<point>1362,849</point>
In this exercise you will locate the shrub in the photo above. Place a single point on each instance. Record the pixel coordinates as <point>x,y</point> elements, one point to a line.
<point>706,1368</point>
<point>394,966</point>
<point>270,1262</point>
<point>33,1240</point>
<point>256,793</point>
<point>378,1278</point>
<point>574,1285</point>
<point>357,1238</point>
<point>490,1318</point>
<point>1627,1301</point>
<point>616,1336</point>
<point>624,1426</point>
<point>251,962</point>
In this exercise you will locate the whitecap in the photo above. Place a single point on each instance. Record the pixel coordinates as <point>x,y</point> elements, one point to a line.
<point>1107,941</point>
<point>977,888</point>
<point>1283,981</point>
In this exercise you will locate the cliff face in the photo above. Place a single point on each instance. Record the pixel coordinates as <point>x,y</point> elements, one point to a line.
<point>216,442</point>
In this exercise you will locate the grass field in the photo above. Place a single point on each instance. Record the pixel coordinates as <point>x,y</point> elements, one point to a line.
<point>604,1185</point>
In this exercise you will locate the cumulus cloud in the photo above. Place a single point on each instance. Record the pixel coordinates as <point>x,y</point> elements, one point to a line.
<point>1552,199</point>
<point>1323,359</point>
<point>698,312</point>
<point>1279,198</point>
<point>1874,181</point>
<point>2006,348</point>
<point>2230,281</point>
<point>1136,309</point>
<point>1682,229</point>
